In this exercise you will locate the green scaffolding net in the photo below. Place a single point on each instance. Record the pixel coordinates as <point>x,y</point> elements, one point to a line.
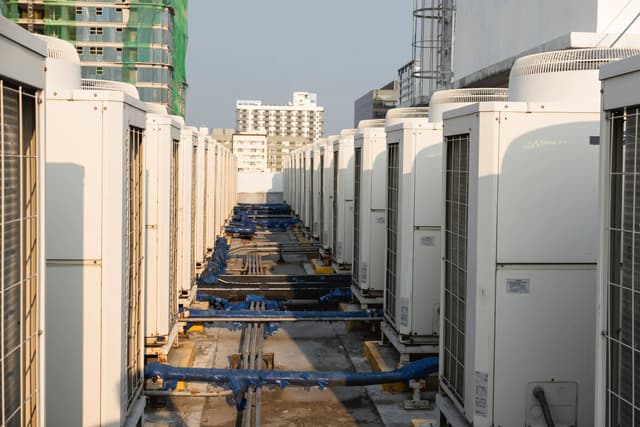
<point>146,47</point>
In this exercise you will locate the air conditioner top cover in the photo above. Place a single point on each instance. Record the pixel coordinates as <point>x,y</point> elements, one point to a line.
<point>563,76</point>
<point>445,100</point>
<point>63,64</point>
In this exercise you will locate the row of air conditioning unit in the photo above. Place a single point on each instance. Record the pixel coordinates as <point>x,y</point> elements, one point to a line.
<point>490,208</point>
<point>132,202</point>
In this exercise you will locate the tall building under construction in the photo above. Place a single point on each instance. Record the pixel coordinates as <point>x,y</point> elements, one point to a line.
<point>142,42</point>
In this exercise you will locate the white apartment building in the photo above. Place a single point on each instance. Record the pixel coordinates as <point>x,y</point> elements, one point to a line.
<point>287,127</point>
<point>250,149</point>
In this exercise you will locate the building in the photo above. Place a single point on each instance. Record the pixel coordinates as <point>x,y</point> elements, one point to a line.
<point>250,149</point>
<point>142,43</point>
<point>287,127</point>
<point>223,136</point>
<point>375,103</point>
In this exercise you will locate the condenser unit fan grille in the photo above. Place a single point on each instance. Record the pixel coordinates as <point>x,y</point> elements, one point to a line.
<point>455,257</point>
<point>356,216</point>
<point>174,203</point>
<point>134,255</point>
<point>20,257</point>
<point>623,287</point>
<point>393,187</point>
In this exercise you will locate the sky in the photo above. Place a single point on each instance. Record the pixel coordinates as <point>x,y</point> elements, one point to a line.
<point>267,49</point>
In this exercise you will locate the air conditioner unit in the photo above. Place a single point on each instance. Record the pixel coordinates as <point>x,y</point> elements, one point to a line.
<point>520,248</point>
<point>187,192</point>
<point>414,197</point>
<point>343,170</point>
<point>22,302</point>
<point>300,185</point>
<point>318,182</point>
<point>617,379</point>
<point>95,248</point>
<point>369,225</point>
<point>327,196</point>
<point>162,177</point>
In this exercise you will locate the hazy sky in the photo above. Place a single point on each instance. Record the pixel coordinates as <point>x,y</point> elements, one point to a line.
<point>267,49</point>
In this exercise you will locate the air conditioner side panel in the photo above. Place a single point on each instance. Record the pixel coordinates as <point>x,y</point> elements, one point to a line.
<point>428,178</point>
<point>425,289</point>
<point>532,347</point>
<point>548,188</point>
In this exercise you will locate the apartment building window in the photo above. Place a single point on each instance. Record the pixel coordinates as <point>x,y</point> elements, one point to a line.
<point>78,10</point>
<point>95,50</point>
<point>99,71</point>
<point>80,50</point>
<point>98,31</point>
<point>98,11</point>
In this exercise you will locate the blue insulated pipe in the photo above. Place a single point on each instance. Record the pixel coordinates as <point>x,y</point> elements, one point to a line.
<point>239,380</point>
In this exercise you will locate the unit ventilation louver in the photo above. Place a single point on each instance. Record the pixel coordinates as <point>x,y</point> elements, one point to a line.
<point>393,183</point>
<point>455,260</point>
<point>335,202</point>
<point>173,244</point>
<point>623,379</point>
<point>134,258</point>
<point>321,222</point>
<point>19,229</point>
<point>95,84</point>
<point>569,60</point>
<point>355,274</point>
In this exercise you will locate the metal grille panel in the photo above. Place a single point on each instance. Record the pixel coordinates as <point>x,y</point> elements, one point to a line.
<point>173,244</point>
<point>335,201</point>
<point>393,187</point>
<point>134,262</point>
<point>194,205</point>
<point>356,216</point>
<point>312,213</point>
<point>19,263</point>
<point>623,300</point>
<point>321,222</point>
<point>455,258</point>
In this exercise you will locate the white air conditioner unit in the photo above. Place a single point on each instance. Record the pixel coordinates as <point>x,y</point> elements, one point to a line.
<point>369,224</point>
<point>95,214</point>
<point>318,182</point>
<point>343,170</point>
<point>187,192</point>
<point>520,249</point>
<point>162,177</point>
<point>300,184</point>
<point>412,274</point>
<point>22,287</point>
<point>618,314</point>
<point>327,199</point>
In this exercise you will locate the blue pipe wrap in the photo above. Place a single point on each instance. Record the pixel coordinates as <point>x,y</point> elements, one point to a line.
<point>273,314</point>
<point>239,380</point>
<point>224,304</point>
<point>337,295</point>
<point>217,264</point>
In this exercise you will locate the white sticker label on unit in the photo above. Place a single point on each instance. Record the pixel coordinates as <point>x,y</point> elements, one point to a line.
<point>428,241</point>
<point>517,286</point>
<point>404,312</point>
<point>380,220</point>
<point>364,271</point>
<point>482,393</point>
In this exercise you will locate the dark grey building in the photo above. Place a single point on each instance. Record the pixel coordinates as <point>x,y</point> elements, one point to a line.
<point>375,103</point>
